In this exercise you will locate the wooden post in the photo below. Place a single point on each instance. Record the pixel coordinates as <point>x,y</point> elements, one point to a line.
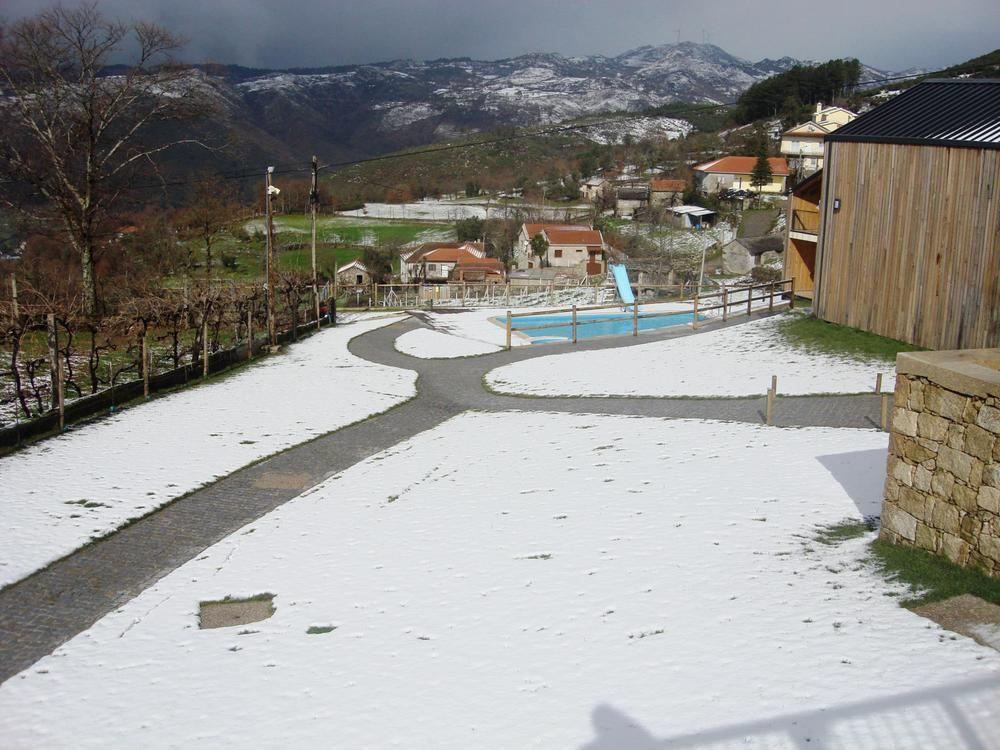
<point>774,384</point>
<point>791,298</point>
<point>204,347</point>
<point>694,317</point>
<point>53,340</point>
<point>145,365</point>
<point>61,395</point>
<point>272,329</point>
<point>249,332</point>
<point>13,295</point>
<point>749,300</point>
<point>770,299</point>
<point>508,329</point>
<point>313,202</point>
<point>507,295</point>
<point>878,383</point>
<point>725,304</point>
<point>574,324</point>
<point>770,407</point>
<point>635,318</point>
<point>885,412</point>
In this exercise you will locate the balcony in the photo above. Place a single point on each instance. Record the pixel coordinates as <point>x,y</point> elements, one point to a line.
<point>805,221</point>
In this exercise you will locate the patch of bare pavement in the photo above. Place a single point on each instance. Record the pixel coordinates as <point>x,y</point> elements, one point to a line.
<point>967,615</point>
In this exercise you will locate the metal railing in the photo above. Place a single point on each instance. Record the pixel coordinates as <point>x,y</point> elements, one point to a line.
<point>732,302</point>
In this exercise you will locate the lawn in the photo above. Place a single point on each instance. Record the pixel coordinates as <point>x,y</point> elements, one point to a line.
<point>810,333</point>
<point>932,577</point>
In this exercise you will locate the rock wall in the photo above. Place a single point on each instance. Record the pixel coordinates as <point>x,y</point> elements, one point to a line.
<point>942,490</point>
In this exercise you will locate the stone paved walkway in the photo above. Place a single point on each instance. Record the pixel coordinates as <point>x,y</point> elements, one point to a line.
<point>49,607</point>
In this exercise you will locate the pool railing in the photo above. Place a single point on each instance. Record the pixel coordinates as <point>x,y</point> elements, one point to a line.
<point>732,302</point>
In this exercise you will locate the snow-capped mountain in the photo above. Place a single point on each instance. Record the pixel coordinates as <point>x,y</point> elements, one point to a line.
<point>362,110</point>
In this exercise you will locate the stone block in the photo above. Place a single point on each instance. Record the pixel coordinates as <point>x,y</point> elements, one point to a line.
<point>899,522</point>
<point>991,474</point>
<point>989,419</point>
<point>970,528</point>
<point>976,473</point>
<point>913,502</point>
<point>922,477</point>
<point>916,399</point>
<point>902,395</point>
<point>891,489</point>
<point>964,497</point>
<point>979,442</point>
<point>955,548</point>
<point>911,450</point>
<point>942,483</point>
<point>956,437</point>
<point>946,518</point>
<point>903,472</point>
<point>904,422</point>
<point>945,403</point>
<point>988,498</point>
<point>931,427</point>
<point>990,547</point>
<point>926,537</point>
<point>958,463</point>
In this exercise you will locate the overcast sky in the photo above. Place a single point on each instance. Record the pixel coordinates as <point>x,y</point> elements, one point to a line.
<point>888,34</point>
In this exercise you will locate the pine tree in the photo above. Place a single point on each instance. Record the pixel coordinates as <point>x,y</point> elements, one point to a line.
<point>761,174</point>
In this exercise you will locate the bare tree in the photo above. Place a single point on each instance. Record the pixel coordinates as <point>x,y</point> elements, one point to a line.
<point>212,214</point>
<point>77,131</point>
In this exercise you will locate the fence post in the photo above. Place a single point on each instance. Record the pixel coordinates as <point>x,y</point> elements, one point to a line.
<point>694,317</point>
<point>550,292</point>
<point>885,412</point>
<point>774,384</point>
<point>770,299</point>
<point>319,325</point>
<point>145,364</point>
<point>507,295</point>
<point>204,347</point>
<point>508,329</point>
<point>53,340</point>
<point>61,395</point>
<point>596,294</point>
<point>250,332</point>
<point>791,298</point>
<point>13,295</point>
<point>635,318</point>
<point>878,383</point>
<point>725,304</point>
<point>749,300</point>
<point>769,416</point>
<point>574,324</point>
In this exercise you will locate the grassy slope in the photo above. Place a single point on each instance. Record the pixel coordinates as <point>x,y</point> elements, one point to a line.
<point>814,334</point>
<point>932,577</point>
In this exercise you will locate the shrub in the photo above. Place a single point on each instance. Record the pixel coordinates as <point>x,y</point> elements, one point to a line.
<point>765,274</point>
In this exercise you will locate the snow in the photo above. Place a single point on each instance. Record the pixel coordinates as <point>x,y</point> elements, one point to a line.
<point>427,343</point>
<point>639,128</point>
<point>734,361</point>
<point>438,210</point>
<point>62,492</point>
<point>586,587</point>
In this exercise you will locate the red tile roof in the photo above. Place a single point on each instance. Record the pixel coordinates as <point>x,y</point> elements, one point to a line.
<point>573,237</point>
<point>676,186</point>
<point>427,248</point>
<point>742,165</point>
<point>448,255</point>
<point>486,263</point>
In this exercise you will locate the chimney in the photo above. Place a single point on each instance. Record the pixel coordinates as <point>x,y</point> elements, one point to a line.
<point>819,107</point>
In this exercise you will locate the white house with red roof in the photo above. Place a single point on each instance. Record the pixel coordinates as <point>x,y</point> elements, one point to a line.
<point>578,249</point>
<point>435,261</point>
<point>735,172</point>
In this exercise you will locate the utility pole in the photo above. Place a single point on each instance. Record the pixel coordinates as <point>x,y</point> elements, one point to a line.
<point>313,203</point>
<point>272,334</point>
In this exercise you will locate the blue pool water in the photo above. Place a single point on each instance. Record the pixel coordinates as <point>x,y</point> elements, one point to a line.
<point>604,328</point>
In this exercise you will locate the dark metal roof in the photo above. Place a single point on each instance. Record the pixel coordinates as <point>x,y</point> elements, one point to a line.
<point>938,112</point>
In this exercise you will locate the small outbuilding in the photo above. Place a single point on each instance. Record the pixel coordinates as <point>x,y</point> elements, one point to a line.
<point>691,217</point>
<point>743,253</point>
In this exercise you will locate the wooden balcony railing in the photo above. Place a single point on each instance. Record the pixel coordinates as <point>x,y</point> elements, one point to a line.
<point>804,220</point>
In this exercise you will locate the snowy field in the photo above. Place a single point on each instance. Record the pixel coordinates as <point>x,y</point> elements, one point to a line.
<point>601,594</point>
<point>60,493</point>
<point>734,361</point>
<point>430,344</point>
<point>441,210</point>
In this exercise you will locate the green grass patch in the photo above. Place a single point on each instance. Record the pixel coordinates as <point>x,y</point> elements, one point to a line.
<point>841,532</point>
<point>320,629</point>
<point>811,333</point>
<point>931,576</point>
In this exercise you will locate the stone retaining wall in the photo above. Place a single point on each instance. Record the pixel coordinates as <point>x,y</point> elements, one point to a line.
<point>942,492</point>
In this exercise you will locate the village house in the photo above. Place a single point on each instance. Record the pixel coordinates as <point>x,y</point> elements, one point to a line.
<point>353,274</point>
<point>743,253</point>
<point>479,270</point>
<point>907,242</point>
<point>802,145</point>
<point>666,192</point>
<point>734,173</point>
<point>691,217</point>
<point>434,261</point>
<point>593,188</point>
<point>631,196</point>
<point>574,249</point>
<point>802,234</point>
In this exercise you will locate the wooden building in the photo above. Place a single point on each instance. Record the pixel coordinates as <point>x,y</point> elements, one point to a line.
<point>802,234</point>
<point>910,215</point>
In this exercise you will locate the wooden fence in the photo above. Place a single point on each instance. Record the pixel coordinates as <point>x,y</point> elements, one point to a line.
<point>731,302</point>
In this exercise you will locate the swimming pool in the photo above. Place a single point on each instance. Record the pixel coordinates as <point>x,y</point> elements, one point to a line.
<point>607,328</point>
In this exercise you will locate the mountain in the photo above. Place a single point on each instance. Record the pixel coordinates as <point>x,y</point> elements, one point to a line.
<point>363,110</point>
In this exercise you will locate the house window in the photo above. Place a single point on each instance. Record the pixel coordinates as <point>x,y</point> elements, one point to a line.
<point>530,264</point>
<point>432,267</point>
<point>558,253</point>
<point>361,280</point>
<point>579,249</point>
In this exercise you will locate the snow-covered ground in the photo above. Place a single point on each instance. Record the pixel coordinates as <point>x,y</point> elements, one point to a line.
<point>587,587</point>
<point>734,361</point>
<point>60,493</point>
<point>427,343</point>
<point>440,210</point>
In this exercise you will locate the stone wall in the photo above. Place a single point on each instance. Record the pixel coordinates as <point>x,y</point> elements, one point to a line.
<point>942,492</point>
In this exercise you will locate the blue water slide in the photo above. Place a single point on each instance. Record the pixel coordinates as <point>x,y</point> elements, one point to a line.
<point>623,284</point>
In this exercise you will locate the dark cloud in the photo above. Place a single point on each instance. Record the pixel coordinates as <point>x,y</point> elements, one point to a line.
<point>890,34</point>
